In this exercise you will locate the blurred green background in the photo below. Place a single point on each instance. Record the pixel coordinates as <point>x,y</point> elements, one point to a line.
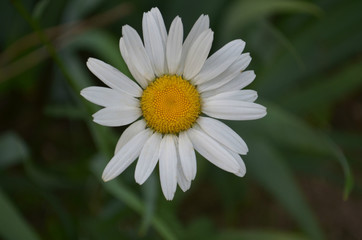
<point>304,168</point>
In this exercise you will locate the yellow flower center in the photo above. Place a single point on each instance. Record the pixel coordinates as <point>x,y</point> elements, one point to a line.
<point>170,104</point>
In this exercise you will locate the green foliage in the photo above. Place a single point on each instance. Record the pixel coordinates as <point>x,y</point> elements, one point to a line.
<point>244,12</point>
<point>307,58</point>
<point>283,187</point>
<point>12,224</point>
<point>260,235</point>
<point>13,150</point>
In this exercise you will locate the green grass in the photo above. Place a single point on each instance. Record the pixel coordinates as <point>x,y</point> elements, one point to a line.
<point>307,59</point>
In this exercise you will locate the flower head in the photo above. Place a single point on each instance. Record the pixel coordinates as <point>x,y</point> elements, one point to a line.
<point>177,86</point>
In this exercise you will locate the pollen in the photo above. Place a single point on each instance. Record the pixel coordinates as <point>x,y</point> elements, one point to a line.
<point>170,104</point>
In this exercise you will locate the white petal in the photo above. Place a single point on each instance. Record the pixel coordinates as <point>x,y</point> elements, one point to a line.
<point>168,166</point>
<point>148,158</point>
<point>126,155</point>
<point>239,82</point>
<point>237,95</point>
<point>233,110</point>
<point>200,26</point>
<point>187,156</point>
<point>137,75</point>
<point>116,116</point>
<point>223,134</point>
<point>108,97</point>
<point>243,80</point>
<point>113,78</point>
<point>154,45</point>
<point>184,183</point>
<point>212,150</point>
<point>136,53</point>
<point>174,45</point>
<point>229,74</point>
<point>241,163</point>
<point>220,61</point>
<point>161,24</point>
<point>129,133</point>
<point>198,53</point>
<point>245,59</point>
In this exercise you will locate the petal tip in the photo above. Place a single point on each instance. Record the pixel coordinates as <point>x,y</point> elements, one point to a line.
<point>240,173</point>
<point>139,180</point>
<point>90,59</point>
<point>83,92</point>
<point>169,197</point>
<point>106,177</point>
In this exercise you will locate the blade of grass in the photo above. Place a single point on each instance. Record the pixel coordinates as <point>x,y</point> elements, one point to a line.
<point>12,148</point>
<point>121,192</point>
<point>104,45</point>
<point>12,224</point>
<point>288,130</point>
<point>268,167</point>
<point>259,235</point>
<point>150,196</point>
<point>243,12</point>
<point>285,42</point>
<point>326,90</point>
<point>61,34</point>
<point>325,44</point>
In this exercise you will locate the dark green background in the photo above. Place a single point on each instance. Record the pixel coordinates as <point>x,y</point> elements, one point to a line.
<point>304,173</point>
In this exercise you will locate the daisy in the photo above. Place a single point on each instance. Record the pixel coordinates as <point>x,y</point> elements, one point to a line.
<point>173,106</point>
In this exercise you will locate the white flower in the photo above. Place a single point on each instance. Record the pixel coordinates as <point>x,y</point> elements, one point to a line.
<point>177,85</point>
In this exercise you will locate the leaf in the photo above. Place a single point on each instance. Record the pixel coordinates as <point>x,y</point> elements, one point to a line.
<point>104,46</point>
<point>78,9</point>
<point>12,224</point>
<point>287,44</point>
<point>244,12</point>
<point>268,167</point>
<point>39,9</point>
<point>121,192</point>
<point>351,141</point>
<point>58,111</point>
<point>324,44</point>
<point>150,196</point>
<point>13,149</point>
<point>102,136</point>
<point>259,235</point>
<point>326,90</point>
<point>200,228</point>
<point>291,132</point>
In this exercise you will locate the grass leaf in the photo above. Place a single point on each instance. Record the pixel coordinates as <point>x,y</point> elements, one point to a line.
<point>121,192</point>
<point>268,167</point>
<point>243,12</point>
<point>259,235</point>
<point>291,132</point>
<point>13,149</point>
<point>326,91</point>
<point>12,224</point>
